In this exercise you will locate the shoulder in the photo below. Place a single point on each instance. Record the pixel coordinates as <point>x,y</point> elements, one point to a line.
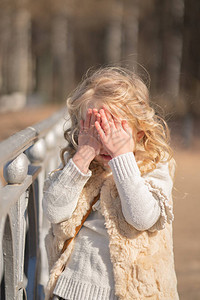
<point>66,160</point>
<point>162,176</point>
<point>53,174</point>
<point>66,157</point>
<point>163,170</point>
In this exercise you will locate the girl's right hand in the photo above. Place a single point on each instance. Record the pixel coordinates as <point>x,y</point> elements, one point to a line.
<point>88,135</point>
<point>88,143</point>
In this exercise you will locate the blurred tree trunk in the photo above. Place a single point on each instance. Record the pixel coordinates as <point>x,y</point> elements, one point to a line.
<point>171,30</point>
<point>42,57</point>
<point>130,36</point>
<point>149,45</point>
<point>5,33</point>
<point>15,47</point>
<point>63,56</point>
<point>114,34</point>
<point>190,68</point>
<point>19,50</point>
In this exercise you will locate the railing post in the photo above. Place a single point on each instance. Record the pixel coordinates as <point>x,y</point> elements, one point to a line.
<point>18,228</point>
<point>33,250</point>
<point>9,292</point>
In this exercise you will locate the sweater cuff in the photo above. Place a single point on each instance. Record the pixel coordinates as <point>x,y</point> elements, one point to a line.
<point>124,166</point>
<point>71,174</point>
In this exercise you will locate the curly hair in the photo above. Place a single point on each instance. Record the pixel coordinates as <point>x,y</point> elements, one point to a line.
<point>125,95</point>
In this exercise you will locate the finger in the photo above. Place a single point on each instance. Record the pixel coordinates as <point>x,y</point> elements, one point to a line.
<point>93,117</point>
<point>107,113</point>
<point>92,126</point>
<point>104,122</point>
<point>81,125</point>
<point>117,122</point>
<point>98,119</point>
<point>100,131</point>
<point>109,116</point>
<point>126,127</point>
<point>88,118</point>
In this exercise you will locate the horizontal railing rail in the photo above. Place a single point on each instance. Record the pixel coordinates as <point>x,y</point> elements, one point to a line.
<point>23,139</point>
<point>26,158</point>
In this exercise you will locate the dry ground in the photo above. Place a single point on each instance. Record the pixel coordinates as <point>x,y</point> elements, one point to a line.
<point>12,122</point>
<point>186,199</point>
<point>187,223</point>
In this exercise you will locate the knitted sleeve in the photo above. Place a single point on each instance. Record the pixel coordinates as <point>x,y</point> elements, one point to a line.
<point>145,199</point>
<point>61,192</point>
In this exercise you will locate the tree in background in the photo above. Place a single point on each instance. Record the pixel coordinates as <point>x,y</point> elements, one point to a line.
<point>47,46</point>
<point>190,64</point>
<point>15,25</point>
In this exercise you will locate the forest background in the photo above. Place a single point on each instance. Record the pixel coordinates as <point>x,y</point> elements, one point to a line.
<point>47,46</point>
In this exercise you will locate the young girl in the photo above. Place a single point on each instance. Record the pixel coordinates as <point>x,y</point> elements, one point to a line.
<point>118,150</point>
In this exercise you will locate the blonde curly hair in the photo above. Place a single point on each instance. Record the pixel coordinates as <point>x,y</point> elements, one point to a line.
<point>126,96</point>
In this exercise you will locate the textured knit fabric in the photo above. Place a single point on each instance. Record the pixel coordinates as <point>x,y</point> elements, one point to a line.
<point>62,193</point>
<point>89,273</point>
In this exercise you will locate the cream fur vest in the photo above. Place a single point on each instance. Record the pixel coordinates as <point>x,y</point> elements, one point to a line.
<point>143,261</point>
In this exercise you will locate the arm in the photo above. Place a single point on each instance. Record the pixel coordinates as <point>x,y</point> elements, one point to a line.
<point>61,192</point>
<point>144,203</point>
<point>63,188</point>
<point>141,204</point>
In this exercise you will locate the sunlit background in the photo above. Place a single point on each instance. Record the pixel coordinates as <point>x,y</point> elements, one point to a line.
<point>47,46</point>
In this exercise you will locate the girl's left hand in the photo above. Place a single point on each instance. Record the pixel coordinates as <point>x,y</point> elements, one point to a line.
<point>115,135</point>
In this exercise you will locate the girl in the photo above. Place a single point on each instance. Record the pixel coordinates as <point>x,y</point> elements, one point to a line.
<point>118,151</point>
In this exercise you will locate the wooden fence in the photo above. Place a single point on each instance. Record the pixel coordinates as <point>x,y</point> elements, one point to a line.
<point>26,158</point>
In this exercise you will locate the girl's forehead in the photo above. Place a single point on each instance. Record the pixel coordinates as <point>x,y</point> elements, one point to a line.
<point>114,109</point>
<point>91,105</point>
<point>94,104</point>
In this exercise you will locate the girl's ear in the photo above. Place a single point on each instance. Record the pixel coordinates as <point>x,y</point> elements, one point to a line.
<point>140,135</point>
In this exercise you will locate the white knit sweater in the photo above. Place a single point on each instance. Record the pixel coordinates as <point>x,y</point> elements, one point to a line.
<point>89,272</point>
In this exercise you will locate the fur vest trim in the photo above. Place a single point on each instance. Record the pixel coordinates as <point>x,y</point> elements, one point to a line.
<point>143,261</point>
